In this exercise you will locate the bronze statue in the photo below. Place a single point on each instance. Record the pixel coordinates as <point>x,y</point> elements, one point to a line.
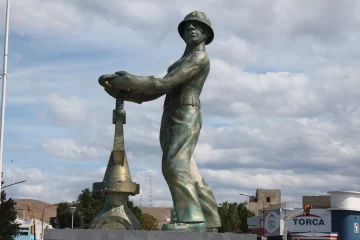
<point>195,206</point>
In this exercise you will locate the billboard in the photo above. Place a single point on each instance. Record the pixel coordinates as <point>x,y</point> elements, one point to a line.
<point>319,220</point>
<point>272,223</point>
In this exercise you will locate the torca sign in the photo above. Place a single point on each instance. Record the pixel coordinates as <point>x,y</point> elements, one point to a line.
<point>319,220</point>
<point>310,220</point>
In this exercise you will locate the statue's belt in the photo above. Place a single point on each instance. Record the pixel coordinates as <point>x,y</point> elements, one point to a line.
<point>182,100</point>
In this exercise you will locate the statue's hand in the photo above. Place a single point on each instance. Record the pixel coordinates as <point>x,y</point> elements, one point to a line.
<point>122,81</point>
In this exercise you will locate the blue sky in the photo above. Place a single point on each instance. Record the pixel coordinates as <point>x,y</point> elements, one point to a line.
<point>279,106</point>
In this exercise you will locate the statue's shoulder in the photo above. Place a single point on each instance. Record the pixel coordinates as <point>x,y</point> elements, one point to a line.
<point>200,57</point>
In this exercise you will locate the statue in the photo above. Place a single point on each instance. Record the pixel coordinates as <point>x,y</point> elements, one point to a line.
<point>195,206</point>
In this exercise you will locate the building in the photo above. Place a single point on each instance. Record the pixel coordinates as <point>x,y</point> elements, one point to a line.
<point>25,233</point>
<point>264,199</point>
<point>322,201</point>
<point>333,216</point>
<point>345,214</point>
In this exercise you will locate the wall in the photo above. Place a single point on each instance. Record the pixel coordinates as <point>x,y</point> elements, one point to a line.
<point>261,197</point>
<point>82,234</point>
<point>343,223</point>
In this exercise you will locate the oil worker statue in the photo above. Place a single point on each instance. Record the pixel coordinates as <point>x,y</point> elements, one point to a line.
<point>195,206</point>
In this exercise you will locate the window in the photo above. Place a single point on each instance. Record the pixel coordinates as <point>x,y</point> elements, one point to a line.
<point>268,199</point>
<point>24,233</point>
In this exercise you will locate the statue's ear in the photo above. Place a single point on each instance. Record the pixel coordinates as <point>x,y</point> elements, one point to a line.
<point>206,33</point>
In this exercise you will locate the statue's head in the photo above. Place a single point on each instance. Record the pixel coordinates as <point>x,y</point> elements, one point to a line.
<point>195,28</point>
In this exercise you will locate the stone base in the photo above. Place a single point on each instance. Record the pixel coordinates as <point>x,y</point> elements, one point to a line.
<point>90,234</point>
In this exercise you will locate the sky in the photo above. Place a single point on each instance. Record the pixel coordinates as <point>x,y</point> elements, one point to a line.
<point>280,105</point>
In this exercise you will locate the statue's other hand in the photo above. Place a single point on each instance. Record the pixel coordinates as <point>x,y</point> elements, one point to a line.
<point>105,80</point>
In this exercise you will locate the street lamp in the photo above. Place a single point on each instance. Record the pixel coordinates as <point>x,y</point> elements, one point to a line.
<point>72,210</point>
<point>42,219</point>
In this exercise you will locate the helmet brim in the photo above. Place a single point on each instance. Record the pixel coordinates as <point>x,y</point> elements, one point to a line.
<point>209,39</point>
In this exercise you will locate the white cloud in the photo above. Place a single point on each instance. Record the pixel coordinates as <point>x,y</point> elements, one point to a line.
<point>68,109</point>
<point>279,105</point>
<point>69,149</point>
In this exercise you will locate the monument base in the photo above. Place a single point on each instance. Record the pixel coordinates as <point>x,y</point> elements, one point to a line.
<point>94,234</point>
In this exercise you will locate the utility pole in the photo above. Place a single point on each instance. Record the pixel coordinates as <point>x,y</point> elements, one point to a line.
<point>11,178</point>
<point>4,76</point>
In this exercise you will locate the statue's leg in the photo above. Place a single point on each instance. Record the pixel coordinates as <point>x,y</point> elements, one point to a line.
<point>178,136</point>
<point>206,197</point>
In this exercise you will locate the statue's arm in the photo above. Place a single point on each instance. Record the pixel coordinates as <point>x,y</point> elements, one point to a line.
<point>186,71</point>
<point>156,87</point>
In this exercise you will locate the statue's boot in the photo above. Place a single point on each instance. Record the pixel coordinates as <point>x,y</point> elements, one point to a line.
<point>208,206</point>
<point>185,227</point>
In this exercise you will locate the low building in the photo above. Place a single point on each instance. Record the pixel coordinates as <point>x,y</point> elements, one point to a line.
<point>25,232</point>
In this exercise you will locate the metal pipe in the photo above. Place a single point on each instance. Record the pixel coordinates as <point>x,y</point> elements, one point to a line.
<point>42,219</point>
<point>4,76</point>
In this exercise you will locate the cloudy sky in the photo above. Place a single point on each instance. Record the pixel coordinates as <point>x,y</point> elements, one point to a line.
<point>280,106</point>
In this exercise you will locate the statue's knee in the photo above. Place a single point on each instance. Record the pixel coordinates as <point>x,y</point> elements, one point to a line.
<point>168,171</point>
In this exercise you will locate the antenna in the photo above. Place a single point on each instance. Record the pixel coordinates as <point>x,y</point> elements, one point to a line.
<point>150,193</point>
<point>11,175</point>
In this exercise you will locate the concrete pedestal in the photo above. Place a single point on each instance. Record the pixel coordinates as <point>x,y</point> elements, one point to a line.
<point>91,234</point>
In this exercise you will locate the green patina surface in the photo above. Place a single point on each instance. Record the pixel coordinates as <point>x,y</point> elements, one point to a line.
<point>194,202</point>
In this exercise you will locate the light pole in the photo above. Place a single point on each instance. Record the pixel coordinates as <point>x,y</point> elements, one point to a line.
<point>4,76</point>
<point>42,219</point>
<point>72,210</point>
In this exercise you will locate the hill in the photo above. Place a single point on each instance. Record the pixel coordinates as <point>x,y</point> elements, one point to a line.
<point>162,214</point>
<point>37,206</point>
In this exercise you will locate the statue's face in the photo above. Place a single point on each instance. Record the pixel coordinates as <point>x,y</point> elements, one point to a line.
<point>195,32</point>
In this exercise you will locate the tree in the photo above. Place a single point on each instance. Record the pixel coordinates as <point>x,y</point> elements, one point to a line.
<point>9,229</point>
<point>135,210</point>
<point>234,217</point>
<point>244,213</point>
<point>149,222</point>
<point>88,205</point>
<point>64,216</point>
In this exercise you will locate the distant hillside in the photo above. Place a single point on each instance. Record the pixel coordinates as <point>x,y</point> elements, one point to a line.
<point>162,214</point>
<point>37,206</point>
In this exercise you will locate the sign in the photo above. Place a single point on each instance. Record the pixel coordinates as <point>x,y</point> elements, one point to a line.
<point>272,222</point>
<point>319,220</point>
<point>356,228</point>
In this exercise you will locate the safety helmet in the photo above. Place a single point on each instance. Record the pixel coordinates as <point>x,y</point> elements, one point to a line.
<point>199,17</point>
